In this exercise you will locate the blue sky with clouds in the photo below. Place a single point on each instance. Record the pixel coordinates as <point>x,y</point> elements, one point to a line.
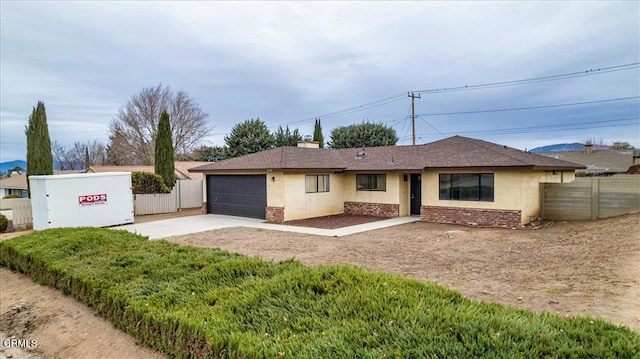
<point>288,62</point>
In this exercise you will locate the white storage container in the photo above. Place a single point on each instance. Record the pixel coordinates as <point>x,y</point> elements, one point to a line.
<point>81,200</point>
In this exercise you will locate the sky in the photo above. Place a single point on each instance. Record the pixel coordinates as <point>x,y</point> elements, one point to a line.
<point>344,62</point>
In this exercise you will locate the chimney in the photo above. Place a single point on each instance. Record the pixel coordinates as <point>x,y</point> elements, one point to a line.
<point>588,148</point>
<point>307,142</point>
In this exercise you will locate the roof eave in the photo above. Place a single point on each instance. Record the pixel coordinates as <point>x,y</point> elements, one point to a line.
<point>378,170</point>
<point>477,167</point>
<point>558,168</point>
<point>275,169</point>
<point>311,169</point>
<point>234,170</point>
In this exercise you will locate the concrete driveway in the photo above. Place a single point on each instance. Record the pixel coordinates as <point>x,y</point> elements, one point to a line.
<point>206,222</point>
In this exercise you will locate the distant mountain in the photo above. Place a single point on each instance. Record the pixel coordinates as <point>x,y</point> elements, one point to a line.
<point>5,166</point>
<point>566,147</point>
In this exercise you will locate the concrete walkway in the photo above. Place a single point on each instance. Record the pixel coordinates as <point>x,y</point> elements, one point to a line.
<point>206,222</point>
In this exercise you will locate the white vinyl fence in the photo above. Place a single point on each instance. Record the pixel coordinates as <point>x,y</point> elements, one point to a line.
<point>185,194</point>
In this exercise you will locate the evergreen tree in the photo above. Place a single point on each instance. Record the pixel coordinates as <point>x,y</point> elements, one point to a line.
<point>317,133</point>
<point>248,137</point>
<point>284,137</point>
<point>87,158</point>
<point>164,156</point>
<point>39,155</point>
<point>365,134</point>
<point>210,154</point>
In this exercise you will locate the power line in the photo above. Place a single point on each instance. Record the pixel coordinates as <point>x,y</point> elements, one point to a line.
<point>548,128</point>
<point>400,96</point>
<point>534,79</point>
<point>528,108</point>
<point>430,125</point>
<point>350,110</point>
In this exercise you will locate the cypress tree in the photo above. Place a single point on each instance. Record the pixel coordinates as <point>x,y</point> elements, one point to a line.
<point>87,159</point>
<point>164,156</point>
<point>317,133</point>
<point>39,155</point>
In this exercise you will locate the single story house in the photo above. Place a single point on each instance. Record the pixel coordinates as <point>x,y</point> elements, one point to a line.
<point>454,180</point>
<point>16,184</point>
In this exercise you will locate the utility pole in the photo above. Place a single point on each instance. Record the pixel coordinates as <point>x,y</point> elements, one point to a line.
<point>413,114</point>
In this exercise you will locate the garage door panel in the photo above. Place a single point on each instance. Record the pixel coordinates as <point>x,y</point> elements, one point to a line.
<point>244,211</point>
<point>237,195</point>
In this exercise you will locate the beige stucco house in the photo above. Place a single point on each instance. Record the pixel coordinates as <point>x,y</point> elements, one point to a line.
<point>454,180</point>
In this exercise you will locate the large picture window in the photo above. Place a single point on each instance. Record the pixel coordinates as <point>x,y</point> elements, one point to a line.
<point>373,182</point>
<point>466,186</point>
<point>316,183</point>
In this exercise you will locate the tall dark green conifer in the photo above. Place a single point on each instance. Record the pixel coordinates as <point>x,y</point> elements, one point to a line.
<point>164,156</point>
<point>317,133</point>
<point>39,155</point>
<point>87,159</point>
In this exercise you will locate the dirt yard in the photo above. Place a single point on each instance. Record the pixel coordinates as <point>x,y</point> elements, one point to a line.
<point>570,268</point>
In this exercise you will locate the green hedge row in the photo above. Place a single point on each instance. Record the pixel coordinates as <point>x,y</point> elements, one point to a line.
<point>199,303</point>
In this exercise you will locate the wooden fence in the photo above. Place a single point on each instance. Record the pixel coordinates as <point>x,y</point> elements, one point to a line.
<point>185,194</point>
<point>590,198</point>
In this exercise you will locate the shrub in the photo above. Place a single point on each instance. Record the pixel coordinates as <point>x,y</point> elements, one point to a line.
<point>4,222</point>
<point>203,302</point>
<point>9,196</point>
<point>144,183</point>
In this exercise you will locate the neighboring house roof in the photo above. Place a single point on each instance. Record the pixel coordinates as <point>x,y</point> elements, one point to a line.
<point>100,169</point>
<point>20,181</point>
<point>634,170</point>
<point>180,168</point>
<point>183,168</point>
<point>453,152</point>
<point>598,162</point>
<point>14,182</point>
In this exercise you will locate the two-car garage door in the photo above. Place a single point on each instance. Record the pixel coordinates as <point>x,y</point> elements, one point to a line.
<point>237,195</point>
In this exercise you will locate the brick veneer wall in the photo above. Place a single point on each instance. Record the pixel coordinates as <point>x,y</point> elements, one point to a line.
<point>372,209</point>
<point>471,216</point>
<point>274,214</point>
<point>203,209</point>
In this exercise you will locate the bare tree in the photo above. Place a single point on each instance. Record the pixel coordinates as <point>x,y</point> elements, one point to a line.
<point>60,155</point>
<point>80,155</point>
<point>84,154</point>
<point>133,130</point>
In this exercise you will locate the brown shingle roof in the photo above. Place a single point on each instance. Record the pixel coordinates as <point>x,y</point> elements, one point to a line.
<point>15,182</point>
<point>453,152</point>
